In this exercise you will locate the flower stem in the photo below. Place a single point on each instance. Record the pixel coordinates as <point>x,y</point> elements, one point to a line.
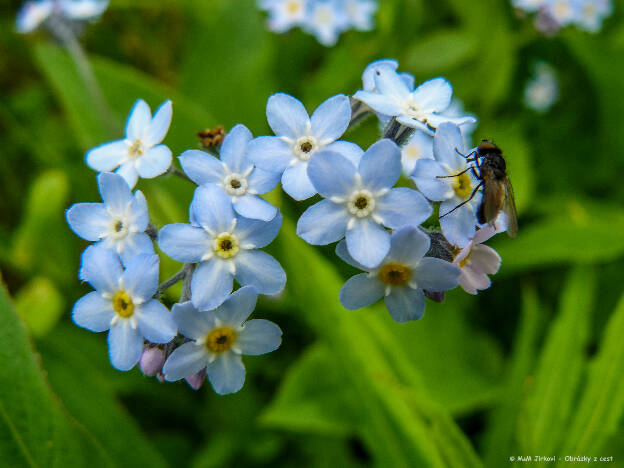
<point>188,269</point>
<point>179,173</point>
<point>162,287</point>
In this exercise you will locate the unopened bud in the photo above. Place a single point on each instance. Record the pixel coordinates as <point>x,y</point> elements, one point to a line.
<point>152,361</point>
<point>435,295</point>
<point>212,139</point>
<point>439,247</point>
<point>195,381</point>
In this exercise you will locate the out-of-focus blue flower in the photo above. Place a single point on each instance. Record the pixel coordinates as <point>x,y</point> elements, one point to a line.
<point>360,201</point>
<point>123,303</point>
<point>542,91</point>
<point>529,6</point>
<point>459,225</point>
<point>326,20</point>
<point>591,14</point>
<point>139,154</point>
<point>419,146</point>
<point>225,246</point>
<point>119,223</point>
<point>219,338</point>
<point>235,174</point>
<point>284,14</point>
<point>361,13</point>
<point>555,14</point>
<point>421,108</point>
<point>33,13</point>
<point>401,277</point>
<point>299,137</point>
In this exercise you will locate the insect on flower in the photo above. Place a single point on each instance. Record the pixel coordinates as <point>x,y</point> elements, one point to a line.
<point>491,170</point>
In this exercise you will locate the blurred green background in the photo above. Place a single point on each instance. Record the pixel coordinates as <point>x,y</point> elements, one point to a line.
<point>532,366</point>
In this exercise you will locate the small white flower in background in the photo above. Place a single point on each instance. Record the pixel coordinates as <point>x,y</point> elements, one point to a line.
<point>326,19</point>
<point>33,13</point>
<point>552,15</point>
<point>528,6</point>
<point>360,13</point>
<point>139,154</point>
<point>592,13</point>
<point>476,261</point>
<point>542,91</point>
<point>284,14</point>
<point>419,146</point>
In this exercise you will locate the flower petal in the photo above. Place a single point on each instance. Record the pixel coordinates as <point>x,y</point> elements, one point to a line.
<point>211,284</point>
<point>403,206</point>
<point>226,373</point>
<point>458,226</point>
<point>88,220</point>
<point>201,167</point>
<point>258,233</point>
<point>368,242</point>
<point>93,312</point>
<point>212,208</point>
<point>238,307</point>
<point>433,95</point>
<point>140,279</point>
<point>183,242</point>
<point>435,274</point>
<point>261,181</point>
<point>139,119</point>
<point>286,116</point>
<point>368,77</point>
<point>447,142</point>
<point>379,102</point>
<point>345,256</point>
<point>107,156</point>
<point>296,183</point>
<point>154,162</point>
<point>405,304</point>
<point>349,150</point>
<point>114,191</point>
<point>323,223</point>
<point>234,148</point>
<point>135,244</point>
<point>159,125</point>
<point>185,361</point>
<point>129,173</point>
<point>253,207</point>
<point>258,269</point>
<point>485,258</point>
<point>259,337</point>
<point>361,291</point>
<point>408,245</point>
<point>190,322</point>
<point>270,153</point>
<point>156,323</point>
<point>125,345</point>
<point>101,268</point>
<point>389,83</point>
<point>425,176</point>
<point>332,174</point>
<point>331,119</point>
<point>383,154</point>
<point>138,211</point>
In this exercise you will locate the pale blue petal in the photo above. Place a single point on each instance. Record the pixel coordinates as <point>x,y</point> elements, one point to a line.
<point>379,102</point>
<point>403,206</point>
<point>435,274</point>
<point>159,125</point>
<point>201,167</point>
<point>296,183</point>
<point>154,162</point>
<point>433,95</point>
<point>389,83</point>
<point>184,243</point>
<point>253,207</point>
<point>446,143</point>
<point>101,268</point>
<point>258,269</point>
<point>211,284</point>
<point>32,14</point>
<point>287,116</point>
<point>234,149</point>
<point>331,119</point>
<point>238,307</point>
<point>405,304</point>
<point>368,77</point>
<point>212,208</point>
<point>436,120</point>
<point>190,322</point>
<point>408,80</point>
<point>140,279</point>
<point>258,233</point>
<point>270,153</point>
<point>368,242</point>
<point>261,181</point>
<point>115,192</point>
<point>349,150</point>
<point>108,156</point>
<point>460,225</point>
<point>259,337</point>
<point>413,123</point>
<point>138,211</point>
<point>345,256</point>
<point>88,220</point>
<point>155,322</point>
<point>93,312</point>
<point>323,223</point>
<point>408,245</point>
<point>185,361</point>
<point>227,373</point>
<point>332,174</point>
<point>380,166</point>
<point>129,173</point>
<point>361,291</point>
<point>135,244</point>
<point>138,121</point>
<point>425,177</point>
<point>125,345</point>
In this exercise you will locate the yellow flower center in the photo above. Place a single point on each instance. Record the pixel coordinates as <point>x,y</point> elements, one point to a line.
<point>136,148</point>
<point>220,339</point>
<point>463,187</point>
<point>123,305</point>
<point>395,274</point>
<point>226,245</point>
<point>465,260</point>
<point>293,7</point>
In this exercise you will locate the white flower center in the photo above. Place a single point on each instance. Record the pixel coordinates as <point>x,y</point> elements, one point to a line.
<point>235,185</point>
<point>226,245</point>
<point>361,203</point>
<point>137,148</point>
<point>305,147</point>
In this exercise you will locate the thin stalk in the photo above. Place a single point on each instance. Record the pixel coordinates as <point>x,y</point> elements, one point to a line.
<point>162,287</point>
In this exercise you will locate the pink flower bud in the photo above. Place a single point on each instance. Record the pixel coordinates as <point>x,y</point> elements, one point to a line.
<point>195,381</point>
<point>152,361</point>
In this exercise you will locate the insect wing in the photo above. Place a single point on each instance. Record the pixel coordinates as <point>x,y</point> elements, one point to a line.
<point>509,208</point>
<point>493,197</point>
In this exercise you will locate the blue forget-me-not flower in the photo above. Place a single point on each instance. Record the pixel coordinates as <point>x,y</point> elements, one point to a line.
<point>33,13</point>
<point>123,304</point>
<point>360,201</point>
<point>298,138</point>
<point>225,246</point>
<point>140,152</point>
<point>218,339</point>
<point>119,223</point>
<point>326,20</point>
<point>235,174</point>
<point>400,278</point>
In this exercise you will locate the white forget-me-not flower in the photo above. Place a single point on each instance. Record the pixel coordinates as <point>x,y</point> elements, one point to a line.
<point>118,223</point>
<point>298,138</point>
<point>360,201</point>
<point>235,174</point>
<point>284,14</point>
<point>139,154</point>
<point>219,338</point>
<point>33,13</point>
<point>432,179</point>
<point>225,246</point>
<point>123,304</point>
<point>360,13</point>
<point>477,261</point>
<point>326,20</point>
<point>401,277</point>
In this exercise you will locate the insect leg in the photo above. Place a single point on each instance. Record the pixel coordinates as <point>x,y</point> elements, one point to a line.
<point>454,175</point>
<point>465,156</point>
<point>474,192</point>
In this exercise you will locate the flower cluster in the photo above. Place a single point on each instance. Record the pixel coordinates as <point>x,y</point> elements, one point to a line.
<point>552,15</point>
<point>34,13</point>
<point>206,333</point>
<point>542,90</point>
<point>325,19</point>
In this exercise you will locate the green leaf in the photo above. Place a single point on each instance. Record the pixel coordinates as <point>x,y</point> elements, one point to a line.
<point>440,51</point>
<point>550,402</point>
<point>39,305</point>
